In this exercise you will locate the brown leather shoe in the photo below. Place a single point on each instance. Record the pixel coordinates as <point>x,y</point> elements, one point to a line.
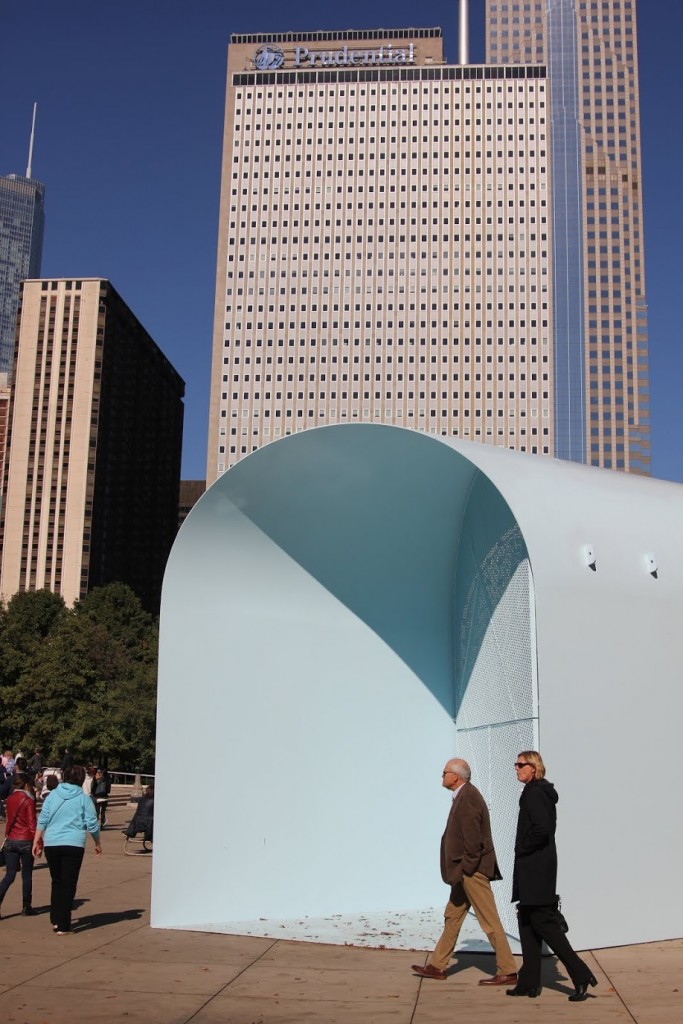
<point>500,979</point>
<point>430,972</point>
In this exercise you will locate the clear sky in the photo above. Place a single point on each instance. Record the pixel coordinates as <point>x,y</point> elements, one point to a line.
<point>130,120</point>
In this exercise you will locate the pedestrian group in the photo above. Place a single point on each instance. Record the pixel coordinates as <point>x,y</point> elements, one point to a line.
<point>77,806</point>
<point>72,808</point>
<point>468,865</point>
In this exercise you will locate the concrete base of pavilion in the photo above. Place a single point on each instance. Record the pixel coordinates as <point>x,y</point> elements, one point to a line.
<point>418,929</point>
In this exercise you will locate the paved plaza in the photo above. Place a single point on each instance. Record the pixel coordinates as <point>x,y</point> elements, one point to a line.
<point>116,968</point>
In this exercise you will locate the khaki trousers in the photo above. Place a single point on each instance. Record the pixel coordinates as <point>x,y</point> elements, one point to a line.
<point>475,892</point>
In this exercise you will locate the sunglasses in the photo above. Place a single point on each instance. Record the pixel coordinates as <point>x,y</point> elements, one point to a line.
<point>522,764</point>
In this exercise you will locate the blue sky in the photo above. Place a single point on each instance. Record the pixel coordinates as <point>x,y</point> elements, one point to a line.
<point>129,135</point>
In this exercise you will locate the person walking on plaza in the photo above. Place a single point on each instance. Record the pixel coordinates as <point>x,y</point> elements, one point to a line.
<point>19,834</point>
<point>534,884</point>
<point>36,763</point>
<point>89,780</point>
<point>468,865</point>
<point>100,791</point>
<point>65,817</point>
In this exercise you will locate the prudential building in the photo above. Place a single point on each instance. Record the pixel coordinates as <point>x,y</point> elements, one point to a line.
<point>386,247</point>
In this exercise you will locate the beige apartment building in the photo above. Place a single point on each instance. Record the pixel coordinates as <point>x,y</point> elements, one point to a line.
<point>95,431</point>
<point>4,424</point>
<point>590,50</point>
<point>385,243</point>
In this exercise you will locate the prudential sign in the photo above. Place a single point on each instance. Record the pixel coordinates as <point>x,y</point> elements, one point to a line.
<point>272,58</point>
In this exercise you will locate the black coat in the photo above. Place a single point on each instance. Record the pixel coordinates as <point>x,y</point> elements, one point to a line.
<point>101,788</point>
<point>467,845</point>
<point>534,881</point>
<point>143,819</point>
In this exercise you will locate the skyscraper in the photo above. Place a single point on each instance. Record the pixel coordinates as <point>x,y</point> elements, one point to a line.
<point>22,219</point>
<point>93,469</point>
<point>600,323</point>
<point>454,248</point>
<point>382,256</point>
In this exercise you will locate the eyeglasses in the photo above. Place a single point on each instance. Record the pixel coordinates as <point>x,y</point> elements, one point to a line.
<point>443,774</point>
<point>522,764</point>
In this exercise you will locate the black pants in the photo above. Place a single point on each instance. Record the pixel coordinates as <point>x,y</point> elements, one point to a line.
<point>18,851</point>
<point>538,924</point>
<point>101,810</point>
<point>65,864</point>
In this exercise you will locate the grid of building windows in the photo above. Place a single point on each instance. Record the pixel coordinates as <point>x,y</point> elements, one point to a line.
<point>609,183</point>
<point>387,258</point>
<point>95,432</point>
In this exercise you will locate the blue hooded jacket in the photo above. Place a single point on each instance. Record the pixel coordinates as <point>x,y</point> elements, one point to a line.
<point>66,815</point>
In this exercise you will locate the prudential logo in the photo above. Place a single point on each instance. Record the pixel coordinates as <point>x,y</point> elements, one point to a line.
<point>268,58</point>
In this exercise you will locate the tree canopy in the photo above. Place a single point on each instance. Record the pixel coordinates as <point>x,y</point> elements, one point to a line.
<point>82,678</point>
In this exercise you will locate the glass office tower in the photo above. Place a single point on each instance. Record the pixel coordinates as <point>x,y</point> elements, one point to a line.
<point>600,334</point>
<point>456,249</point>
<point>22,219</point>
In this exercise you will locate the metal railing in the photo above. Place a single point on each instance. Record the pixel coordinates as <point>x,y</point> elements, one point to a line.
<point>116,778</point>
<point>128,778</point>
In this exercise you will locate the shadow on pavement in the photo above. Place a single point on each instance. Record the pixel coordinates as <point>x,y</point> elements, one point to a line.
<point>102,920</point>
<point>465,958</point>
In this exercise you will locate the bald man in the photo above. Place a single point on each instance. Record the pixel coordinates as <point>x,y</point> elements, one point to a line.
<point>468,865</point>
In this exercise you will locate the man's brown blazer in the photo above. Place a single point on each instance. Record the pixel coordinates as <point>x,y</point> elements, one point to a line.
<point>467,844</point>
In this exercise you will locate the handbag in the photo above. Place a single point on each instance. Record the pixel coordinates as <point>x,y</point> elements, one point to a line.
<point>561,919</point>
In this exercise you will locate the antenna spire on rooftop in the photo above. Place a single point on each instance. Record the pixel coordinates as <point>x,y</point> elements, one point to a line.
<point>463,32</point>
<point>30,145</point>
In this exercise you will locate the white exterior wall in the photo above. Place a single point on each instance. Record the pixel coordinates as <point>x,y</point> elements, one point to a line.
<point>309,643</point>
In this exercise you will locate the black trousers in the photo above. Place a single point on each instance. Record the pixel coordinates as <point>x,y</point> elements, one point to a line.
<point>65,865</point>
<point>539,924</point>
<point>18,851</point>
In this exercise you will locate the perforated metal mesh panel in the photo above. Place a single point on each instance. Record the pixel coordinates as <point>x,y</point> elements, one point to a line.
<point>497,706</point>
<point>491,752</point>
<point>497,667</point>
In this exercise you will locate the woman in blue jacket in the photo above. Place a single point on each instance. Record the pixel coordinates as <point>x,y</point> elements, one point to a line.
<point>65,817</point>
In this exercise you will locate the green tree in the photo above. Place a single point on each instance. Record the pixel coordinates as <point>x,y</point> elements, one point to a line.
<point>24,624</point>
<point>83,678</point>
<point>116,607</point>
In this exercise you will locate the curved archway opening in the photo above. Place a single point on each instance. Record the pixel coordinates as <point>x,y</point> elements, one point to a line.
<point>358,595</point>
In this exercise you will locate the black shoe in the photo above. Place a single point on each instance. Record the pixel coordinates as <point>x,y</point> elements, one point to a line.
<point>581,992</point>
<point>28,910</point>
<point>532,993</point>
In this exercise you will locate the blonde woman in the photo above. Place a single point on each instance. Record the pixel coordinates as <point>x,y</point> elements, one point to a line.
<point>534,884</point>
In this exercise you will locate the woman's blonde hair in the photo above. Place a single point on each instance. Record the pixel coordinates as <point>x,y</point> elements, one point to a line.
<point>534,758</point>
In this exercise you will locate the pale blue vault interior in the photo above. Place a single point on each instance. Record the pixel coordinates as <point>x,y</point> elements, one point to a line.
<point>342,611</point>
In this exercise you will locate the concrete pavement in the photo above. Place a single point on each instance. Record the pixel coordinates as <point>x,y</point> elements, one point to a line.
<point>115,968</point>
